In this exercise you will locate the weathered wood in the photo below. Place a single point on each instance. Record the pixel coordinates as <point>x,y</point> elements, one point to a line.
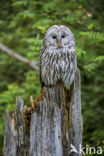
<point>15,138</point>
<point>55,124</point>
<point>9,137</point>
<point>75,131</point>
<point>45,130</point>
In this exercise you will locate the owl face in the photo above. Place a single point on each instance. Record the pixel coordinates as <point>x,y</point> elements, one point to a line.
<point>59,37</point>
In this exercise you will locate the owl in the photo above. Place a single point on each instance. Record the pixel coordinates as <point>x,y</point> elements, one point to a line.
<point>58,62</point>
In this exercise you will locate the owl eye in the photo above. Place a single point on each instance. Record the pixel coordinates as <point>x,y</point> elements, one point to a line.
<point>63,36</point>
<point>54,37</point>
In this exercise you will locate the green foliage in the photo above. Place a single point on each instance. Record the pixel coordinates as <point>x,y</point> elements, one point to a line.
<point>22,27</point>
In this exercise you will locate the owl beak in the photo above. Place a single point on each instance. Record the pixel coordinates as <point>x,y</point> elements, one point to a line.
<point>59,43</point>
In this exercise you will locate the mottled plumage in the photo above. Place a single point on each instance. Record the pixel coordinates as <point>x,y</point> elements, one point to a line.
<point>58,57</point>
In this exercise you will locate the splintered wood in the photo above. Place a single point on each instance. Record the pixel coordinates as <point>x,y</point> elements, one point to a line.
<point>49,126</point>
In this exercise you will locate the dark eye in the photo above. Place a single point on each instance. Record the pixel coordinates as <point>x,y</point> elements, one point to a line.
<point>63,36</point>
<point>54,37</point>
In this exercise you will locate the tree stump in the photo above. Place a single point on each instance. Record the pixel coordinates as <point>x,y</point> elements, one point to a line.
<point>49,127</point>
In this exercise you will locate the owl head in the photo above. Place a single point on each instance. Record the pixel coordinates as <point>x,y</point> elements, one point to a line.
<point>59,36</point>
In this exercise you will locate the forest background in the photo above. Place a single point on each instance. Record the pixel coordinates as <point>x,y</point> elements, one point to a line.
<point>23,24</point>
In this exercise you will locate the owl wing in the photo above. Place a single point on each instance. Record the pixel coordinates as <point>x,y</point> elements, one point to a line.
<point>41,53</point>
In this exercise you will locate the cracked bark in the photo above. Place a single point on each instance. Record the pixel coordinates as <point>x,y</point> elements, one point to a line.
<point>49,128</point>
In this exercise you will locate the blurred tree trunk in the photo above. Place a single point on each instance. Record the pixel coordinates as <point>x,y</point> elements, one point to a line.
<point>48,127</point>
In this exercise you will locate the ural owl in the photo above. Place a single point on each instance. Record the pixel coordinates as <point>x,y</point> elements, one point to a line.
<point>58,60</point>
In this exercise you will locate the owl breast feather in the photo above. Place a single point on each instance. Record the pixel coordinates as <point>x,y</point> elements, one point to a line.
<point>58,65</point>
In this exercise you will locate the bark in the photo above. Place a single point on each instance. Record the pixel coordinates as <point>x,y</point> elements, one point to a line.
<point>16,141</point>
<point>50,127</point>
<point>33,64</point>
